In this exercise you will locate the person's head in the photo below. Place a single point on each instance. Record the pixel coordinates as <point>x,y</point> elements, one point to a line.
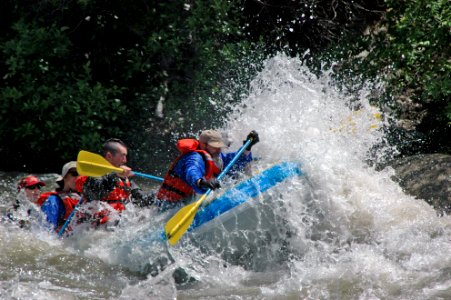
<point>212,142</point>
<point>31,186</point>
<point>115,151</point>
<point>69,174</point>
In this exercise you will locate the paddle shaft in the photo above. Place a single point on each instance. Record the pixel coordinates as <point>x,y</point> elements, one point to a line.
<point>232,162</point>
<point>202,199</point>
<point>148,176</point>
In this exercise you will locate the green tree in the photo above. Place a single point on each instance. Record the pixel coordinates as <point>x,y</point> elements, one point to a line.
<point>75,73</point>
<point>408,51</point>
<point>49,107</point>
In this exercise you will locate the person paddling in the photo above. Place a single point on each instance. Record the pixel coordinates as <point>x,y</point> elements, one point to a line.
<point>200,161</point>
<point>58,205</point>
<point>115,189</point>
<point>29,190</point>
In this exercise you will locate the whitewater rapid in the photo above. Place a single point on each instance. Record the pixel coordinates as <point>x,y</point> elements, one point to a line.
<point>341,231</point>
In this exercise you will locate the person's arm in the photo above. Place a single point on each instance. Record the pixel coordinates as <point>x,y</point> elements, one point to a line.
<point>240,163</point>
<point>245,158</point>
<point>54,210</point>
<point>97,188</point>
<point>190,169</point>
<point>139,197</point>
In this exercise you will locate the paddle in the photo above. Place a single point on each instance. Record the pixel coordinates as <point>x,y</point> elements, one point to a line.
<point>180,222</point>
<point>92,164</point>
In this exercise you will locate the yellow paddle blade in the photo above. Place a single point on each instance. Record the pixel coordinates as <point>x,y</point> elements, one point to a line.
<point>92,164</point>
<point>177,226</point>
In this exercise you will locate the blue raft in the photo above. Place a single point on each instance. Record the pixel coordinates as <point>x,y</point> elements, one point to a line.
<point>245,190</point>
<point>233,197</point>
<point>241,193</point>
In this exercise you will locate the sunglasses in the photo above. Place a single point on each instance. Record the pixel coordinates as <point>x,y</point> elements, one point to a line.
<point>33,187</point>
<point>73,173</point>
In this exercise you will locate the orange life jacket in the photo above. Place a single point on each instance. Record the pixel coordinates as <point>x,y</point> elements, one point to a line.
<point>174,189</point>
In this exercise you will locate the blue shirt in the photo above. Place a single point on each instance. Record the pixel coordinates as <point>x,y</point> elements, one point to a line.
<point>54,210</point>
<point>191,167</point>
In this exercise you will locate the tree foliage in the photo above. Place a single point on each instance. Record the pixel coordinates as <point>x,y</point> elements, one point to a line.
<point>74,73</point>
<point>77,72</point>
<point>407,50</point>
<point>294,26</point>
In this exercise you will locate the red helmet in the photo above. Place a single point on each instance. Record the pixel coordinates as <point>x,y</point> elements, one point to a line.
<point>29,180</point>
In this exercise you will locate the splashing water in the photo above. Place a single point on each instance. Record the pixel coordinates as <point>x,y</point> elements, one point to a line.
<point>340,231</point>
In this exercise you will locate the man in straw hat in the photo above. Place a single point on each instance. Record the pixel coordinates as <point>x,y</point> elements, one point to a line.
<point>199,163</point>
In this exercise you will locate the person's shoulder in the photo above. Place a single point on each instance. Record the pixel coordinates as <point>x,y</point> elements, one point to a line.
<point>44,197</point>
<point>189,159</point>
<point>54,197</point>
<point>191,155</point>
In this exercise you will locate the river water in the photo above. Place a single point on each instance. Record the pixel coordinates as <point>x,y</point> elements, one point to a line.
<point>341,231</point>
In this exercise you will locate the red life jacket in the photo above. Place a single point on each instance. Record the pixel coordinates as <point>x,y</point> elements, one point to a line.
<point>80,183</point>
<point>43,197</point>
<point>69,204</point>
<point>174,189</point>
<point>116,197</point>
<point>119,194</point>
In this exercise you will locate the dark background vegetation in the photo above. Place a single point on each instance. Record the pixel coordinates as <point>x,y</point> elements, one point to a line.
<point>74,73</point>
